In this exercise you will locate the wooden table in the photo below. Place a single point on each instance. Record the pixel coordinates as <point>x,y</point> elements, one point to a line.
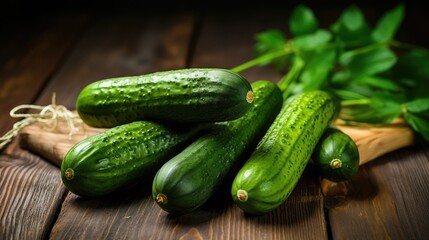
<point>62,51</point>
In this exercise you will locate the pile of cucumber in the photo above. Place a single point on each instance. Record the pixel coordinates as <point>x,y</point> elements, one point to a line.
<point>186,131</point>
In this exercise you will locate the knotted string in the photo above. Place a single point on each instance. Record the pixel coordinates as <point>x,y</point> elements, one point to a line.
<point>47,116</point>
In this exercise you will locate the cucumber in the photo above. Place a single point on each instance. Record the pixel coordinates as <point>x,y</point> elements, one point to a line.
<point>189,179</point>
<point>123,155</point>
<point>183,95</point>
<point>336,156</point>
<point>274,168</point>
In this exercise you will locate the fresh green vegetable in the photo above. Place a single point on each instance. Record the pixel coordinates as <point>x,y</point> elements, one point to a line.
<point>186,181</point>
<point>274,168</point>
<point>336,156</point>
<point>122,156</point>
<point>376,77</point>
<point>184,95</point>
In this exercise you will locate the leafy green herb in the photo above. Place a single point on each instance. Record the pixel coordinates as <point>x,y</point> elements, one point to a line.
<point>368,61</point>
<point>352,27</point>
<point>416,113</point>
<point>388,24</point>
<point>271,41</point>
<point>412,72</point>
<point>311,41</point>
<point>359,64</point>
<point>303,21</point>
<point>317,69</point>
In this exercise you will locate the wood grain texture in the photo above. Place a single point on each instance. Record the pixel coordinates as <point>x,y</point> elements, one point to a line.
<point>372,142</point>
<point>30,195</point>
<point>388,199</point>
<point>129,44</point>
<point>121,44</point>
<point>375,141</point>
<point>228,50</point>
<point>226,39</point>
<point>132,214</point>
<point>31,190</point>
<point>26,70</point>
<point>54,144</point>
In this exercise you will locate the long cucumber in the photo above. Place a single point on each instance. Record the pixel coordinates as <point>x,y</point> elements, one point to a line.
<point>183,95</point>
<point>269,176</point>
<point>189,179</point>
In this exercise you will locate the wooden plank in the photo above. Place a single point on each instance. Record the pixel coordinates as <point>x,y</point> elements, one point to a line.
<point>220,213</point>
<point>133,214</point>
<point>53,145</point>
<point>30,194</point>
<point>118,45</point>
<point>302,215</point>
<point>30,190</point>
<point>25,71</point>
<point>124,44</point>
<point>388,199</point>
<point>226,40</point>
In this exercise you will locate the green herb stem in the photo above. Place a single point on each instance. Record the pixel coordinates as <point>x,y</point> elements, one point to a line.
<point>399,44</point>
<point>346,94</point>
<point>286,81</point>
<point>260,60</point>
<point>366,49</point>
<point>351,102</point>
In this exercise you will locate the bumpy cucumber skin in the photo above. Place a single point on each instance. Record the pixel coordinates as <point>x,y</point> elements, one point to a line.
<point>274,168</point>
<point>190,178</point>
<point>122,155</point>
<point>335,144</point>
<point>184,95</point>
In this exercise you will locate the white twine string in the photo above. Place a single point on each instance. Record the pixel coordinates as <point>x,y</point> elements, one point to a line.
<point>48,116</point>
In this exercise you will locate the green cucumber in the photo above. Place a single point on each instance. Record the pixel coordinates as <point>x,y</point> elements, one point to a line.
<point>183,95</point>
<point>189,179</point>
<point>274,168</point>
<point>336,156</point>
<point>123,155</point>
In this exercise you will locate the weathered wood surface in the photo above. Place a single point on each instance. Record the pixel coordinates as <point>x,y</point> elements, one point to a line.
<point>27,61</point>
<point>387,199</point>
<point>30,188</point>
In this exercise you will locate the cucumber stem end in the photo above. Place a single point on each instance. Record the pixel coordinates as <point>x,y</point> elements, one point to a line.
<point>69,174</point>
<point>250,97</point>
<point>242,195</point>
<point>161,199</point>
<point>336,163</point>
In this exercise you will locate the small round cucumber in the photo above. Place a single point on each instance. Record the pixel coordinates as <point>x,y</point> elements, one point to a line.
<point>336,156</point>
<point>184,95</point>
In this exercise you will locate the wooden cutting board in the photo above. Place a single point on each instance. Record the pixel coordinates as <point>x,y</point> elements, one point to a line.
<point>372,141</point>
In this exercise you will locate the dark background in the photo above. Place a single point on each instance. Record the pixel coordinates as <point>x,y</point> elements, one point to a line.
<point>413,29</point>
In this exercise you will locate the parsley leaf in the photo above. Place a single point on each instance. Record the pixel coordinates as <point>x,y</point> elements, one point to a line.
<point>378,111</point>
<point>303,21</point>
<point>412,72</point>
<point>311,41</point>
<point>369,61</point>
<point>269,41</point>
<point>388,25</point>
<point>317,69</point>
<point>352,27</point>
<point>358,64</point>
